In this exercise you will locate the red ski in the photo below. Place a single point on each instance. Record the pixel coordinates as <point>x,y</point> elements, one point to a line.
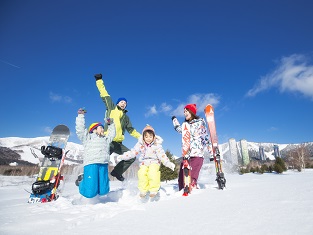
<point>209,114</point>
<point>185,151</point>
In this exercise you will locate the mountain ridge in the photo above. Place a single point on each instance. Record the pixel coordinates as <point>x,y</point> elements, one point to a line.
<point>29,149</point>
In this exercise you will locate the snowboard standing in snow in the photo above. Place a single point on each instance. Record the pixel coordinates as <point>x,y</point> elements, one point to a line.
<point>44,189</point>
<point>209,114</point>
<point>185,130</point>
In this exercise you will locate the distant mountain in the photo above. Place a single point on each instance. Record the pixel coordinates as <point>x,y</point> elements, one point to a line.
<point>27,150</point>
<point>253,149</point>
<point>268,148</point>
<point>16,149</point>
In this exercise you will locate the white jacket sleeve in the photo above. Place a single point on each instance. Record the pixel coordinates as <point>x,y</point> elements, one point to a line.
<point>81,129</point>
<point>136,150</point>
<point>111,132</point>
<point>164,159</point>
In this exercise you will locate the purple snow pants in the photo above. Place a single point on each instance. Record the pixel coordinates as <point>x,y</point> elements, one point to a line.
<point>196,164</point>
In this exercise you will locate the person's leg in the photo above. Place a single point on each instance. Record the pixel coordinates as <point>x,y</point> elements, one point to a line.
<point>115,147</point>
<point>88,187</point>
<point>154,177</point>
<point>122,166</point>
<point>104,182</point>
<point>143,180</point>
<point>196,165</point>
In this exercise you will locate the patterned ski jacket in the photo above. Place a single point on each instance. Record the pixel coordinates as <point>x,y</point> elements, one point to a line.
<point>121,120</point>
<point>199,138</point>
<point>148,154</point>
<point>96,148</point>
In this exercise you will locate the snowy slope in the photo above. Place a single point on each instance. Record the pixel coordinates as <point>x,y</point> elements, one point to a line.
<point>251,204</point>
<point>29,148</point>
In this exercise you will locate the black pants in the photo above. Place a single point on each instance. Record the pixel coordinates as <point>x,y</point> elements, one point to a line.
<point>119,148</point>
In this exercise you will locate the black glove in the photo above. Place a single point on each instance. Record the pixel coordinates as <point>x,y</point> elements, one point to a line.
<point>98,76</point>
<point>82,111</point>
<point>173,117</point>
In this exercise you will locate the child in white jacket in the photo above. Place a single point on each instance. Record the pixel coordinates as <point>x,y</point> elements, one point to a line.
<point>96,155</point>
<point>151,154</point>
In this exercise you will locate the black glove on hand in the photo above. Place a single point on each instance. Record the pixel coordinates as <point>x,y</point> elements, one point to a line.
<point>82,111</point>
<point>98,76</point>
<point>173,117</point>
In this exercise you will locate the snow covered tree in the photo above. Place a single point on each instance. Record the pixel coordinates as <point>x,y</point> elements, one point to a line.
<point>299,156</point>
<point>302,156</point>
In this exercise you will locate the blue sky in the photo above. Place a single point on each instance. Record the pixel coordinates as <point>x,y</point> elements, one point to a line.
<point>252,60</point>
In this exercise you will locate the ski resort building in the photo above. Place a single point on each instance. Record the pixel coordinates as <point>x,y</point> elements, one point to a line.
<point>244,152</point>
<point>233,151</point>
<point>261,152</point>
<point>276,151</point>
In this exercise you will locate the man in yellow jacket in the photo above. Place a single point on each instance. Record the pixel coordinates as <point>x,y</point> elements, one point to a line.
<point>118,112</point>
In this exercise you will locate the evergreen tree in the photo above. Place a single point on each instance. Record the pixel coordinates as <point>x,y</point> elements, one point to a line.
<point>270,168</point>
<point>264,168</point>
<point>166,173</point>
<point>278,168</point>
<point>279,165</point>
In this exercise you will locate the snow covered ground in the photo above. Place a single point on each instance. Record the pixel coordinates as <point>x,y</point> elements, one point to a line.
<point>251,204</point>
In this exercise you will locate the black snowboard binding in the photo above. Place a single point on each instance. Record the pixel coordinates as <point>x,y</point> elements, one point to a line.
<point>221,181</point>
<point>51,152</point>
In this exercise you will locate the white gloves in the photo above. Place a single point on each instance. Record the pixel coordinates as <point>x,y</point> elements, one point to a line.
<point>170,165</point>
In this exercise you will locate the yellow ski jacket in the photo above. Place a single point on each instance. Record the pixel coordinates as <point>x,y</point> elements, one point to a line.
<point>121,119</point>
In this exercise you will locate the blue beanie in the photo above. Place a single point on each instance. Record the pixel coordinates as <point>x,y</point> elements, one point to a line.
<point>120,99</point>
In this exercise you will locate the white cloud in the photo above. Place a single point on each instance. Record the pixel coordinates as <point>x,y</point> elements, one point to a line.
<point>48,130</point>
<point>67,99</point>
<point>165,107</point>
<point>13,65</point>
<point>201,100</point>
<point>151,111</point>
<point>58,98</point>
<point>293,74</point>
<point>54,97</point>
<point>272,128</point>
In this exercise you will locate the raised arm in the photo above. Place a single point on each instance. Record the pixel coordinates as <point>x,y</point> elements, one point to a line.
<point>80,127</point>
<point>106,98</point>
<point>131,130</point>
<point>176,125</point>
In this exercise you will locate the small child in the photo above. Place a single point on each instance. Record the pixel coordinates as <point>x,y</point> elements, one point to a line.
<point>96,155</point>
<point>151,154</point>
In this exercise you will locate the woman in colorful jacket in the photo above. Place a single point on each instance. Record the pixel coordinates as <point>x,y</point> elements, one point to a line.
<point>96,155</point>
<point>118,112</point>
<point>199,141</point>
<point>150,155</point>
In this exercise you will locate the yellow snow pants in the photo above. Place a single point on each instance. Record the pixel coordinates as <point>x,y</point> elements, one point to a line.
<point>149,178</point>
